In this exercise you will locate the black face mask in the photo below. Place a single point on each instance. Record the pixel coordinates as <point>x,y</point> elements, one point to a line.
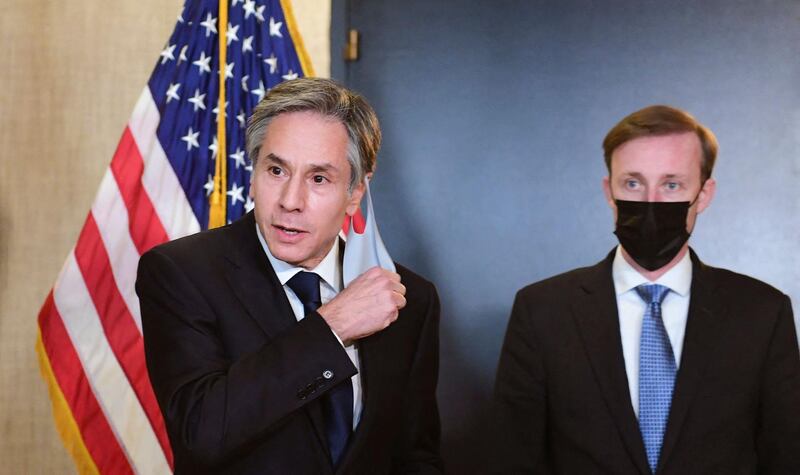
<point>652,232</point>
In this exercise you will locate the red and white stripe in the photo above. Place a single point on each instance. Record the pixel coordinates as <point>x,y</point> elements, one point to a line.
<point>90,324</point>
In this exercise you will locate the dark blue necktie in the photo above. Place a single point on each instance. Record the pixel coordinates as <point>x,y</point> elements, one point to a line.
<point>338,401</point>
<point>657,371</point>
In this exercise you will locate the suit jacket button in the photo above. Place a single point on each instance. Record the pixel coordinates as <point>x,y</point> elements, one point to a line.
<point>327,374</point>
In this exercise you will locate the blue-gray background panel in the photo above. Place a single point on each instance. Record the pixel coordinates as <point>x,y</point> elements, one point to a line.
<point>493,115</point>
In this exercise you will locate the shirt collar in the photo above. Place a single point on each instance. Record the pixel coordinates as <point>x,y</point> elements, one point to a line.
<point>678,279</point>
<point>329,269</point>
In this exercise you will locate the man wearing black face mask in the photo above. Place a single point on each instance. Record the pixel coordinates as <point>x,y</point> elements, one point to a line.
<point>650,361</point>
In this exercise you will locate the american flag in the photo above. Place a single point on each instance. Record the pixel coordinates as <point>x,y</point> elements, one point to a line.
<point>156,188</point>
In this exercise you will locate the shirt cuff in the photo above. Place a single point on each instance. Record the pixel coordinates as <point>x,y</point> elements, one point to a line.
<point>337,337</point>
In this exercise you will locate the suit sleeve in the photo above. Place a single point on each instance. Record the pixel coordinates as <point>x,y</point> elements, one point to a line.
<point>216,407</point>
<point>520,398</point>
<point>418,449</point>
<point>778,438</point>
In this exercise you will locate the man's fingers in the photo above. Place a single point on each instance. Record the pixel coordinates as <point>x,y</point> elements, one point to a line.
<point>399,288</point>
<point>399,300</point>
<point>376,274</point>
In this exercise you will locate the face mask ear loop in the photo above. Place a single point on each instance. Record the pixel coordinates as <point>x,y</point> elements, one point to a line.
<point>697,197</point>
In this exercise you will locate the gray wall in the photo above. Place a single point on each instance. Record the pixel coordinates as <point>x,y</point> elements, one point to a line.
<point>493,116</point>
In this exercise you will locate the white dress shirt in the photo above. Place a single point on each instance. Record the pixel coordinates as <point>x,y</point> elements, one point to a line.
<point>631,308</point>
<point>330,272</point>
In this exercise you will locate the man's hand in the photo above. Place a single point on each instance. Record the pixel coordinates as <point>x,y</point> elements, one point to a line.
<point>369,304</point>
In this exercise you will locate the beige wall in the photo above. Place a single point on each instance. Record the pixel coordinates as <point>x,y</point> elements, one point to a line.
<point>71,74</point>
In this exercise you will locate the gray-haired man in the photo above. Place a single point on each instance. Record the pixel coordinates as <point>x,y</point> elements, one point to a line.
<point>261,361</point>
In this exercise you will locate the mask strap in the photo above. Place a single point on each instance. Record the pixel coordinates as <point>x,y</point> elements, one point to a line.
<point>702,185</point>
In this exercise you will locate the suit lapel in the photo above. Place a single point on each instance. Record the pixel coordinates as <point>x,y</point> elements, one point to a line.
<point>706,313</point>
<point>253,281</point>
<point>594,308</point>
<point>255,284</point>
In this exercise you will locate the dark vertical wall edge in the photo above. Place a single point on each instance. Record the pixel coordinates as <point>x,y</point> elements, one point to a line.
<point>339,26</point>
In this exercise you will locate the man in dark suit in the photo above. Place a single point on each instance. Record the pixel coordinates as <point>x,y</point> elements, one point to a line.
<point>261,362</point>
<point>651,361</point>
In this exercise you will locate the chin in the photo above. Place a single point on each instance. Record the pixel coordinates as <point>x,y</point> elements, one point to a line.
<point>290,256</point>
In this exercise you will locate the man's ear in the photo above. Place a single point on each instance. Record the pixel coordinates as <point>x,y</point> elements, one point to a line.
<point>252,174</point>
<point>706,195</point>
<point>607,193</point>
<point>354,200</point>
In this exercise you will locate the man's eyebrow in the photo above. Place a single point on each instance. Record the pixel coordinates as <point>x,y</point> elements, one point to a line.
<point>314,167</point>
<point>275,159</point>
<point>325,167</point>
<point>639,176</point>
<point>636,175</point>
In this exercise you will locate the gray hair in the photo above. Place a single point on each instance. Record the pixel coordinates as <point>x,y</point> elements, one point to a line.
<point>329,99</point>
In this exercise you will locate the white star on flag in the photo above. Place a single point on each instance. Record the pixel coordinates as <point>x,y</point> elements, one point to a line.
<point>249,8</point>
<point>289,76</point>
<point>275,27</point>
<point>182,56</point>
<point>236,193</point>
<point>260,13</point>
<point>260,92</point>
<point>229,70</point>
<point>197,100</point>
<point>191,139</point>
<point>204,63</point>
<point>241,118</point>
<point>214,147</point>
<point>244,82</point>
<point>172,92</point>
<point>238,157</point>
<point>209,186</point>
<point>210,24</point>
<point>247,44</point>
<point>232,34</point>
<point>167,55</point>
<point>216,110</point>
<point>273,63</point>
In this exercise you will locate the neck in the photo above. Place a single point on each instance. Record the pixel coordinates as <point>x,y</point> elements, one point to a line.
<point>313,264</point>
<point>653,275</point>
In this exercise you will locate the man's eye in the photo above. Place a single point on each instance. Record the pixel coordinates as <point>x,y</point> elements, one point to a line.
<point>672,185</point>
<point>631,184</point>
<point>319,179</point>
<point>277,171</point>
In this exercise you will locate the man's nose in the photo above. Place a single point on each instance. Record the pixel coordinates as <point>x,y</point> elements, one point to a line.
<point>293,195</point>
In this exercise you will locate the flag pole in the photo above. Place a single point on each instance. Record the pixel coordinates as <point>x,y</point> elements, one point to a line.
<point>294,32</point>
<point>216,215</point>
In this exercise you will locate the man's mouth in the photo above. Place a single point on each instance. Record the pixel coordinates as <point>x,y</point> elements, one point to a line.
<point>288,230</point>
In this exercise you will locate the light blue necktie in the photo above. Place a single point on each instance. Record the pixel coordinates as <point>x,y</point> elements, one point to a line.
<point>657,371</point>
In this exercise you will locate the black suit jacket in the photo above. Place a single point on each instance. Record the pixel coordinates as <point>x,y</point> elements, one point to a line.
<point>562,402</point>
<point>238,379</point>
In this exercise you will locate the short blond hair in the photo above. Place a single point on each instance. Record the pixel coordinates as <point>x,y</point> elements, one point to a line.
<point>662,120</point>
